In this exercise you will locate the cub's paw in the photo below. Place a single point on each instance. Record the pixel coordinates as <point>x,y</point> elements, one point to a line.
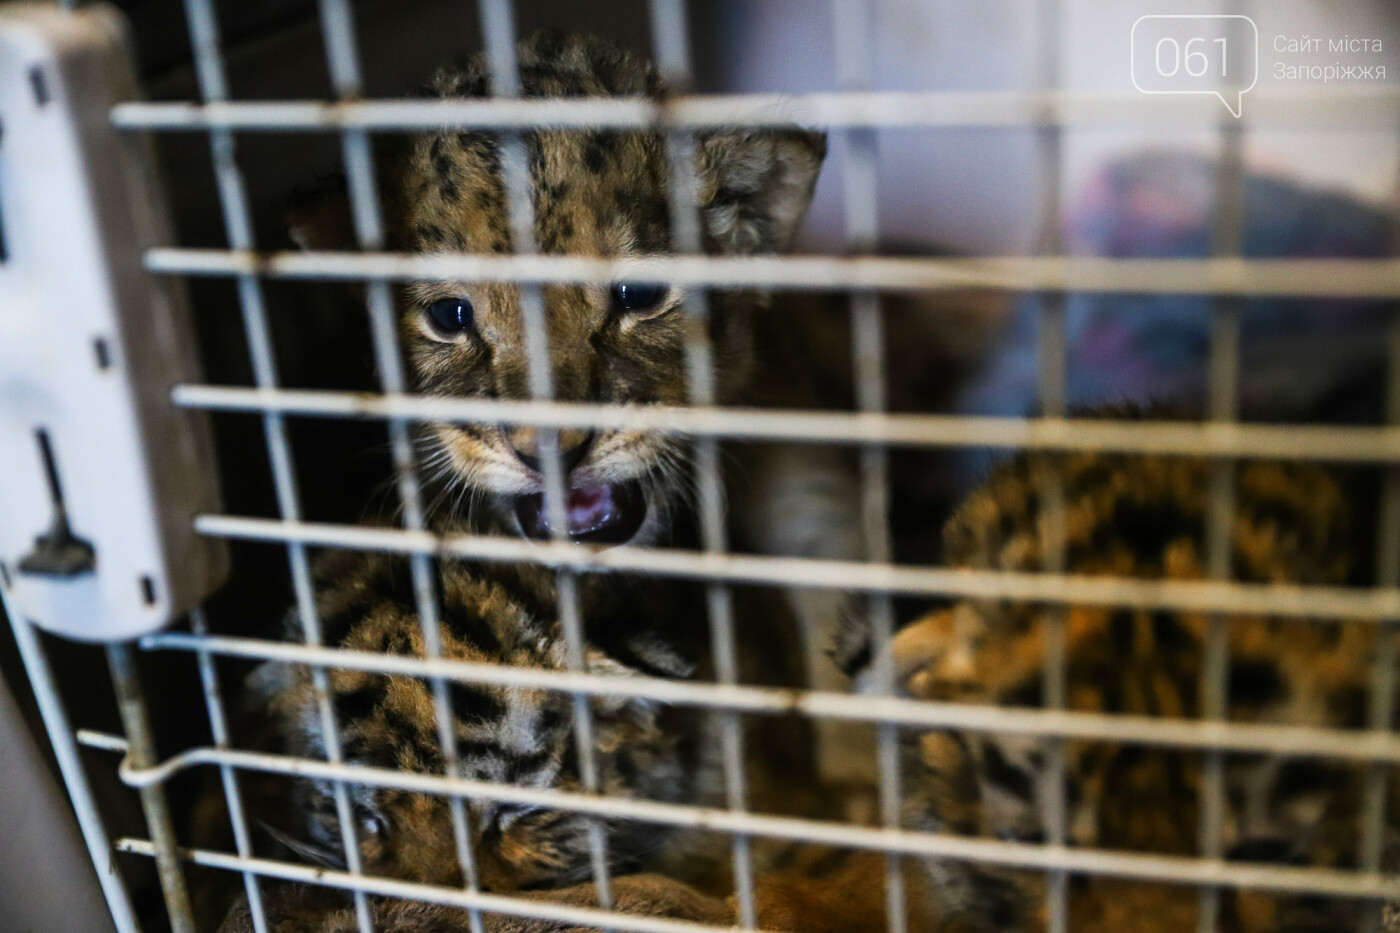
<point>932,657</point>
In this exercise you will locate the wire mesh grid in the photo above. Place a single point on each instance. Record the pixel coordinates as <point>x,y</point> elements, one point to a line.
<point>853,113</point>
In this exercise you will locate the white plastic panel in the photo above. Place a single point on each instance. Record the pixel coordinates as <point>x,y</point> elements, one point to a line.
<point>100,476</point>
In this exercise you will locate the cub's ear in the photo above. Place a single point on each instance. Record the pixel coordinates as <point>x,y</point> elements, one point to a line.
<point>755,186</point>
<point>318,216</point>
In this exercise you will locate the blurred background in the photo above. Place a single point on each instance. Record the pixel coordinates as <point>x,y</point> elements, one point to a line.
<point>965,189</point>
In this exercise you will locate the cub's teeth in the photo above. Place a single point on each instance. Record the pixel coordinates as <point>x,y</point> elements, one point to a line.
<point>609,514</point>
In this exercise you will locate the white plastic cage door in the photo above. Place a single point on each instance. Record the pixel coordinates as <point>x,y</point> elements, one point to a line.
<point>102,475</point>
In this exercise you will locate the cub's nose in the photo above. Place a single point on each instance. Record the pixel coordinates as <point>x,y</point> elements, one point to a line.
<point>525,444</point>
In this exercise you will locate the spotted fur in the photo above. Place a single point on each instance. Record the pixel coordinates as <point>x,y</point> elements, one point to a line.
<point>1142,517</point>
<point>520,737</point>
<point>593,193</point>
<point>517,736</point>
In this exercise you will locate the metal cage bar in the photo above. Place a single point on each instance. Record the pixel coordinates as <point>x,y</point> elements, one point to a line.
<point>1339,278</point>
<point>141,750</point>
<point>343,60</point>
<point>233,199</point>
<point>1260,738</point>
<point>852,33</point>
<point>498,27</point>
<point>1166,869</point>
<point>1331,444</point>
<point>671,48</point>
<point>1300,109</point>
<point>1222,408</point>
<point>1284,601</point>
<point>1052,353</point>
<point>233,795</point>
<point>474,902</point>
<point>1189,870</point>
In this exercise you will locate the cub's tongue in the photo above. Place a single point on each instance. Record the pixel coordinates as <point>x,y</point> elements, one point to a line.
<point>596,514</point>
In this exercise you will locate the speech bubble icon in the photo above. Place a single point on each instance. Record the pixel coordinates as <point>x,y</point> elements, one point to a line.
<point>1184,53</point>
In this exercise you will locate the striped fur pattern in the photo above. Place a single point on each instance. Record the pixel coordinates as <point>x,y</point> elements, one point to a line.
<point>1142,517</point>
<point>522,737</point>
<point>516,736</point>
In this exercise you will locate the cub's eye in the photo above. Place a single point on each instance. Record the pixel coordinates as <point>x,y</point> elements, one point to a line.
<point>451,315</point>
<point>637,296</point>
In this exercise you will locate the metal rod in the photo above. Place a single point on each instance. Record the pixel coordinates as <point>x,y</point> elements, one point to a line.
<point>1333,444</point>
<point>233,796</point>
<point>1223,407</point>
<point>1282,600</point>
<point>853,38</point>
<point>1380,747</point>
<point>1337,278</point>
<point>671,50</point>
<point>1313,111</point>
<point>338,25</point>
<point>498,28</point>
<point>233,199</point>
<point>1053,382</point>
<point>141,752</point>
<point>1188,870</point>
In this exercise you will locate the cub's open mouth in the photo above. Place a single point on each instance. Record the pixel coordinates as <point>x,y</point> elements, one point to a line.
<point>609,514</point>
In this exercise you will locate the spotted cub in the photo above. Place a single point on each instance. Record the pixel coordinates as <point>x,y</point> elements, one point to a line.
<point>506,735</point>
<point>518,737</point>
<point>600,193</point>
<point>595,193</point>
<point>1143,517</point>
